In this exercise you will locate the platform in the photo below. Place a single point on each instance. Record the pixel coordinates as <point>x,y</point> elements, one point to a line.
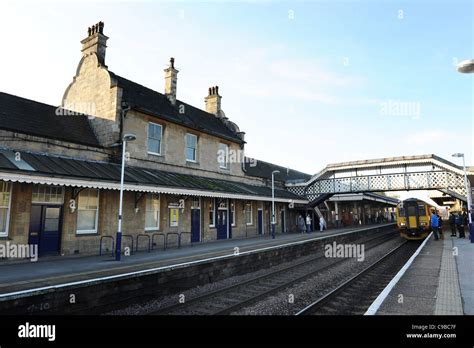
<point>26,275</point>
<point>438,282</point>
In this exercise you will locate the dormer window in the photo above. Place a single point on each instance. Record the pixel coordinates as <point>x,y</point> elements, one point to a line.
<point>155,133</point>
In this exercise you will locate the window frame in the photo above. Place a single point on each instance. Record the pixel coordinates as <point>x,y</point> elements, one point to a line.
<point>251,213</point>
<point>96,231</point>
<point>225,165</point>
<point>46,202</point>
<point>186,147</point>
<point>8,207</point>
<point>232,211</point>
<point>148,138</point>
<point>152,195</point>
<point>212,223</point>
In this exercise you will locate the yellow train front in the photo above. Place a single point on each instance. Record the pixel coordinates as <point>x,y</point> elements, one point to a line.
<point>413,219</point>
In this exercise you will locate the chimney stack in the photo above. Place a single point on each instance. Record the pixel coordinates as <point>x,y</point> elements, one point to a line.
<point>213,101</point>
<point>171,82</point>
<point>95,42</point>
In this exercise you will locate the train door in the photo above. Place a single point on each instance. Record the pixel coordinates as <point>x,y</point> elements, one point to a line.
<point>412,215</point>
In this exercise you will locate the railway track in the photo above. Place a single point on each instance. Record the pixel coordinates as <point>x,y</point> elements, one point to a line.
<point>355,295</point>
<point>231,298</point>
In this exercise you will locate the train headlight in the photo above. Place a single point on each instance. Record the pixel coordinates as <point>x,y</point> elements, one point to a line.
<point>423,223</point>
<point>402,224</point>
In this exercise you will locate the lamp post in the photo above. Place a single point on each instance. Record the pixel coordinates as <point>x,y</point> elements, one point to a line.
<point>467,67</point>
<point>468,194</point>
<point>118,250</point>
<point>273,202</point>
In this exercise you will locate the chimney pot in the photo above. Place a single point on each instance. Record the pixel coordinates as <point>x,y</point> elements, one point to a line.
<point>213,101</point>
<point>171,81</point>
<point>95,42</point>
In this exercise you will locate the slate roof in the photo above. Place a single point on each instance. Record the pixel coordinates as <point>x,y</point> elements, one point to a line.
<point>264,170</point>
<point>55,166</point>
<point>33,118</point>
<point>151,102</point>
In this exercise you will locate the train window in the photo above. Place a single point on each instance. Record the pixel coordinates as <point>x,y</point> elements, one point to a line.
<point>401,211</point>
<point>411,210</point>
<point>421,209</point>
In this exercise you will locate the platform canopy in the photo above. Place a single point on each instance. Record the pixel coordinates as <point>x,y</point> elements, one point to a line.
<point>55,170</point>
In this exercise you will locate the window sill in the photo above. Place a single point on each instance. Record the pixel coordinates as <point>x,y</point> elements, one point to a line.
<point>155,154</point>
<point>86,233</point>
<point>192,163</point>
<point>152,230</point>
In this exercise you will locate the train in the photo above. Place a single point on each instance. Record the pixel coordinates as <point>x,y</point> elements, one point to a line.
<point>413,218</point>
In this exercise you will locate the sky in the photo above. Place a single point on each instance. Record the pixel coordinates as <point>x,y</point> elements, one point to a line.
<point>310,82</point>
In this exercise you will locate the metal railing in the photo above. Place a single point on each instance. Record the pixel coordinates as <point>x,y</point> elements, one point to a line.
<point>149,240</point>
<point>131,239</point>
<point>100,244</point>
<point>153,239</point>
<point>169,234</point>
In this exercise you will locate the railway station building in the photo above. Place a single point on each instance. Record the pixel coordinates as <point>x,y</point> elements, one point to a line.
<point>185,172</point>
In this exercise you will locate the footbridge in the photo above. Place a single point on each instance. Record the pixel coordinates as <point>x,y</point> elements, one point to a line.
<point>425,172</point>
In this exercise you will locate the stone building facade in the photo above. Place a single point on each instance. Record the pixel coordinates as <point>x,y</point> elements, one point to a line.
<point>185,174</point>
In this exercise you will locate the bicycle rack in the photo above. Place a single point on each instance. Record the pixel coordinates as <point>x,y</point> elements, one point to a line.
<point>100,246</point>
<point>153,239</point>
<point>190,238</point>
<point>131,239</point>
<point>149,241</point>
<point>171,233</point>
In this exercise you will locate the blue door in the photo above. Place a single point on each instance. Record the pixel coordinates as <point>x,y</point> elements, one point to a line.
<point>45,228</point>
<point>195,225</point>
<point>222,224</point>
<point>260,221</point>
<point>231,221</point>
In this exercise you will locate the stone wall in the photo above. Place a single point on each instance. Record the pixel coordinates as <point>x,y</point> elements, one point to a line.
<point>133,220</point>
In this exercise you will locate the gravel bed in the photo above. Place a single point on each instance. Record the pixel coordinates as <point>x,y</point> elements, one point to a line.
<point>306,292</point>
<point>303,292</point>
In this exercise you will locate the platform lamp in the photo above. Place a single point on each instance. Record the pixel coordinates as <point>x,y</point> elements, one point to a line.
<point>273,202</point>
<point>469,198</point>
<point>118,250</point>
<point>467,67</point>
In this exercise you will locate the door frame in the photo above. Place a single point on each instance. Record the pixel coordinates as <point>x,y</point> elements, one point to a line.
<point>263,221</point>
<point>200,219</point>
<point>227,210</point>
<point>44,206</point>
<point>283,222</point>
